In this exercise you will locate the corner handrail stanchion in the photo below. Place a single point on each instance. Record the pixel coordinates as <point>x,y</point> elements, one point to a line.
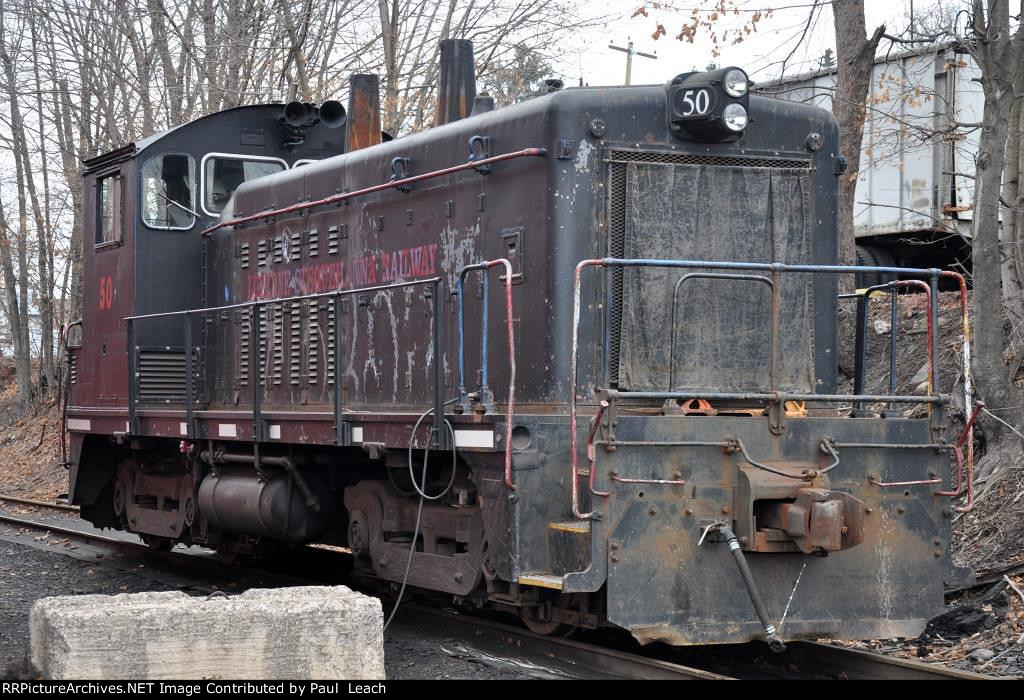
<point>463,395</point>
<point>965,330</point>
<point>486,398</point>
<point>440,434</point>
<point>574,354</point>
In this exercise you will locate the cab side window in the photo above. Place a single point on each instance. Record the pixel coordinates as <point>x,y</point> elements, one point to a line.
<point>222,174</point>
<point>168,191</point>
<point>108,209</point>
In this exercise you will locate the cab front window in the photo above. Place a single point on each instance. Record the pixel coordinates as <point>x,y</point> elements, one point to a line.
<point>223,173</point>
<point>168,191</point>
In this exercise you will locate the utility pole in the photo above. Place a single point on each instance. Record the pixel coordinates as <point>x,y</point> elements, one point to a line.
<point>630,52</point>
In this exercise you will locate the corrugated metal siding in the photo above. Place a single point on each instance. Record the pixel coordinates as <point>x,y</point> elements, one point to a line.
<point>907,181</point>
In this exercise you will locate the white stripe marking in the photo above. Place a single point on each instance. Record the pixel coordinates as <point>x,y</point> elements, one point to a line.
<point>474,438</point>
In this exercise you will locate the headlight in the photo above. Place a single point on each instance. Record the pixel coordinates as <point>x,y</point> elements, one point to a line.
<point>735,83</point>
<point>735,117</point>
<point>711,106</point>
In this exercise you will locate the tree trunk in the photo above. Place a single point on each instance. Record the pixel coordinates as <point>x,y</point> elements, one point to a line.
<point>997,54</point>
<point>1011,233</point>
<point>16,277</point>
<point>855,56</point>
<point>21,356</point>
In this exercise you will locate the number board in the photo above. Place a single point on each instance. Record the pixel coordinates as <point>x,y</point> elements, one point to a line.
<point>693,102</point>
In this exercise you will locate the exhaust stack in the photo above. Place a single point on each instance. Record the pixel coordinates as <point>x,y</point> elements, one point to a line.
<point>362,126</point>
<point>456,86</point>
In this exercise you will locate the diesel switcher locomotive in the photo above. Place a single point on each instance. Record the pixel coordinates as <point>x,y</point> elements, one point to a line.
<point>574,359</point>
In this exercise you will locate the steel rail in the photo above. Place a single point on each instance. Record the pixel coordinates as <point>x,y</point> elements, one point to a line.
<point>37,504</point>
<point>515,642</point>
<point>859,664</point>
<point>801,659</point>
<point>205,562</point>
<point>71,532</point>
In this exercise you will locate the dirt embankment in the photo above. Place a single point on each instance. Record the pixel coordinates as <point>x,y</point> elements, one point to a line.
<point>29,446</point>
<point>982,629</point>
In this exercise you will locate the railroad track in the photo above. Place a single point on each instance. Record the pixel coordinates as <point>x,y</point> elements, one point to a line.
<point>499,643</point>
<point>37,504</point>
<point>801,660</point>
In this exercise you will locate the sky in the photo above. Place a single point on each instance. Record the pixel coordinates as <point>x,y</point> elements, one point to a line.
<point>761,53</point>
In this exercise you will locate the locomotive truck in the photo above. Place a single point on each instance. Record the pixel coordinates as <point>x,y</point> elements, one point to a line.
<point>574,359</point>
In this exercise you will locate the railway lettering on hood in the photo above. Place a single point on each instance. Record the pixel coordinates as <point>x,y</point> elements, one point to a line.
<point>385,267</point>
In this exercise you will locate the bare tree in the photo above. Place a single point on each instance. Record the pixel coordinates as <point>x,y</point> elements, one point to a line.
<point>79,77</point>
<point>997,48</point>
<point>855,56</point>
<point>16,269</point>
<point>1012,230</point>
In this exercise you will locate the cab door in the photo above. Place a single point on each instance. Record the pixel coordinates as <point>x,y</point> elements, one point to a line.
<point>107,284</point>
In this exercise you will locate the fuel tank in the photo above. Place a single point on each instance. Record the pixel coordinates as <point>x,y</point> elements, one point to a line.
<point>238,501</point>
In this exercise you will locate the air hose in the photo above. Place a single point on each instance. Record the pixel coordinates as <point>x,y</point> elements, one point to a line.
<point>421,490</point>
<point>775,642</point>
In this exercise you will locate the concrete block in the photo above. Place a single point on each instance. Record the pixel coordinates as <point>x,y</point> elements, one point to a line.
<point>286,633</point>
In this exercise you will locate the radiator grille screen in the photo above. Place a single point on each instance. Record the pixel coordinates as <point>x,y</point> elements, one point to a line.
<point>624,156</point>
<point>701,207</point>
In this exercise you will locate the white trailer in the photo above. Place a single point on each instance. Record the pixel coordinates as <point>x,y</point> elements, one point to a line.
<point>915,192</point>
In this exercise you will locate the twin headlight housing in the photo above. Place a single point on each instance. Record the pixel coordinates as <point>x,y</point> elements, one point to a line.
<point>710,106</point>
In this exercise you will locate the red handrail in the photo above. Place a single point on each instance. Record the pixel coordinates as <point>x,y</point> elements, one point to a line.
<point>391,184</point>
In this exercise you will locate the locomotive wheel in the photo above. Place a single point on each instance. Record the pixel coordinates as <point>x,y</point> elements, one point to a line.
<point>873,256</point>
<point>118,500</point>
<point>228,555</point>
<point>545,628</point>
<point>157,543</point>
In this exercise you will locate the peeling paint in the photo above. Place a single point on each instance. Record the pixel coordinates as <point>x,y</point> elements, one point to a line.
<point>583,152</point>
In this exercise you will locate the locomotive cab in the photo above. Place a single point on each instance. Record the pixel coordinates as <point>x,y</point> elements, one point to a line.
<point>145,206</point>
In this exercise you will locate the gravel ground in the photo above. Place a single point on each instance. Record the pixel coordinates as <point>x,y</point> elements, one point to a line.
<point>27,573</point>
